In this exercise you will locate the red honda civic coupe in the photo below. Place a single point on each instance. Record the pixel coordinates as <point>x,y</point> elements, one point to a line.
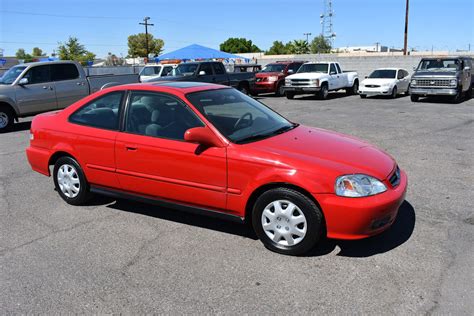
<point>211,149</point>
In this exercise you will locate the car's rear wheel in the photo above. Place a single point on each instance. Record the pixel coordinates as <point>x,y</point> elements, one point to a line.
<point>394,92</point>
<point>354,89</point>
<point>243,87</point>
<point>6,118</point>
<point>70,181</point>
<point>287,221</point>
<point>290,95</point>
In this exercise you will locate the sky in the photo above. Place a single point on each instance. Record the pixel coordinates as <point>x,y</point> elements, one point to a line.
<point>103,26</point>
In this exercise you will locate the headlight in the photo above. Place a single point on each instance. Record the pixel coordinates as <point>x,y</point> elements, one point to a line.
<point>287,82</point>
<point>386,84</point>
<point>413,82</point>
<point>273,78</point>
<point>358,185</point>
<point>453,82</point>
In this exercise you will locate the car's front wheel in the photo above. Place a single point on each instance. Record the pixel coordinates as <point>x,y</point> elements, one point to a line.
<point>6,119</point>
<point>70,181</point>
<point>287,221</point>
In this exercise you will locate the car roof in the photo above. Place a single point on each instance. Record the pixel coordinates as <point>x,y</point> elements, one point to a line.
<point>183,87</point>
<point>389,68</point>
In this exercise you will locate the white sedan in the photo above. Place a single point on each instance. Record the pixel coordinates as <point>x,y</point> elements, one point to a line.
<point>385,81</point>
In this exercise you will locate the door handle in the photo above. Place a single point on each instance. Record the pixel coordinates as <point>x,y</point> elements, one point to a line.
<point>131,148</point>
<point>79,83</point>
<point>45,87</point>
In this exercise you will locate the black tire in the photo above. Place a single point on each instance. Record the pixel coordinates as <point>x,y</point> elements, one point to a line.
<point>469,93</point>
<point>414,97</point>
<point>354,89</point>
<point>83,192</point>
<point>324,92</point>
<point>394,92</point>
<point>279,90</point>
<point>7,117</point>
<point>244,88</point>
<point>458,97</point>
<point>363,96</point>
<point>310,210</point>
<point>290,95</point>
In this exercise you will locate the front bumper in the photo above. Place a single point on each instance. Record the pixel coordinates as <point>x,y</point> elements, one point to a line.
<point>433,91</point>
<point>357,218</point>
<point>302,90</point>
<point>375,91</point>
<point>264,86</point>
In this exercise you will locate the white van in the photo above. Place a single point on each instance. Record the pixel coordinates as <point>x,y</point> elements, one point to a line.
<point>157,70</point>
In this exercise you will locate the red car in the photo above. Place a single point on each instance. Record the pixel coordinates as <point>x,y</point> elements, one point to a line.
<point>211,149</point>
<point>271,78</point>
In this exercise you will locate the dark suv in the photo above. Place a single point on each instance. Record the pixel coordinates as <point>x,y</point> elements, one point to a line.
<point>272,77</point>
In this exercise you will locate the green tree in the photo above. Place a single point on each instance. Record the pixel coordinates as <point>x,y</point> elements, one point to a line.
<point>238,45</point>
<point>37,52</point>
<point>278,48</point>
<point>21,54</point>
<point>137,45</point>
<point>299,47</point>
<point>320,45</point>
<point>73,50</point>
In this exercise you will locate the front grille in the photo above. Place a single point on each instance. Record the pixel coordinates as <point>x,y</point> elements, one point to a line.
<point>395,177</point>
<point>433,82</point>
<point>372,86</point>
<point>300,82</point>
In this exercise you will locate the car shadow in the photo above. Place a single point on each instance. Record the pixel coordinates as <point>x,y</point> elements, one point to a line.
<point>395,236</point>
<point>331,96</point>
<point>441,100</point>
<point>18,127</point>
<point>177,216</point>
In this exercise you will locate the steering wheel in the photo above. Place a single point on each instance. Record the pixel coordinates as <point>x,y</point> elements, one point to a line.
<point>241,119</point>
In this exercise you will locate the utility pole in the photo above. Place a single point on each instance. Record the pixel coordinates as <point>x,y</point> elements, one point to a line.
<point>146,34</point>
<point>307,37</point>
<point>405,45</point>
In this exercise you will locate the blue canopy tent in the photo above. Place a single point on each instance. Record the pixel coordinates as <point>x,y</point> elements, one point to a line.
<point>195,51</point>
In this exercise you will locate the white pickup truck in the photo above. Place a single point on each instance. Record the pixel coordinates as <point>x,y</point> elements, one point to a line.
<point>319,78</point>
<point>32,88</point>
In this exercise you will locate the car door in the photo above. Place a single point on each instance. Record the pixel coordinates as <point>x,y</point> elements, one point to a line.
<point>205,74</point>
<point>154,160</point>
<point>70,87</point>
<point>334,78</point>
<point>96,125</point>
<point>402,80</point>
<point>38,94</point>
<point>220,74</point>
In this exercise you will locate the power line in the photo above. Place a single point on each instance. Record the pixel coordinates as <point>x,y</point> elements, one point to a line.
<point>146,34</point>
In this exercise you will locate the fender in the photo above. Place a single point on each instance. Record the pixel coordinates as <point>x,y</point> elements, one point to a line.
<point>9,101</point>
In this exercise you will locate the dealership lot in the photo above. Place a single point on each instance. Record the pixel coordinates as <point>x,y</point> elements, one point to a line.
<point>118,256</point>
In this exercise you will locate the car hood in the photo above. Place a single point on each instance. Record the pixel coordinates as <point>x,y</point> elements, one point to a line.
<point>378,81</point>
<point>307,75</point>
<point>322,149</point>
<point>434,74</point>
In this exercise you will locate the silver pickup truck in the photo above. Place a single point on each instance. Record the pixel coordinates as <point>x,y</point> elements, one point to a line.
<point>33,88</point>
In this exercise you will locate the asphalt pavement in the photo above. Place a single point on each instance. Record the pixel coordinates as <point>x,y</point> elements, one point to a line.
<point>117,256</point>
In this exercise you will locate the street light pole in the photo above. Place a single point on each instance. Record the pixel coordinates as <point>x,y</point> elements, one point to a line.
<point>307,37</point>
<point>146,34</point>
<point>405,45</point>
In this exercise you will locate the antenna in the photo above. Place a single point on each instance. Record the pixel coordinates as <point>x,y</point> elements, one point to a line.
<point>327,30</point>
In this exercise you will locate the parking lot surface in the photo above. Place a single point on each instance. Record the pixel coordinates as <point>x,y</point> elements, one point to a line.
<point>119,256</point>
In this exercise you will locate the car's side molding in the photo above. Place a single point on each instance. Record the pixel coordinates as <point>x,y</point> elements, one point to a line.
<point>165,203</point>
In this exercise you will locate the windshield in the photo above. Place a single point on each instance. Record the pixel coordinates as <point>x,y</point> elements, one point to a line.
<point>274,68</point>
<point>238,117</point>
<point>322,68</point>
<point>150,71</point>
<point>383,74</point>
<point>11,74</point>
<point>186,69</point>
<point>439,65</point>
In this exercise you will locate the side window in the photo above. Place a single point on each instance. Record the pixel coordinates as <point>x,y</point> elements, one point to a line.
<point>102,112</point>
<point>333,69</point>
<point>206,67</point>
<point>38,74</point>
<point>338,68</point>
<point>219,69</point>
<point>400,74</point>
<point>159,115</point>
<point>64,72</point>
<point>166,71</point>
<point>294,67</point>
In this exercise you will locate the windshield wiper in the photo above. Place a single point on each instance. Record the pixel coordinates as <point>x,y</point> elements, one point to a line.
<point>255,137</point>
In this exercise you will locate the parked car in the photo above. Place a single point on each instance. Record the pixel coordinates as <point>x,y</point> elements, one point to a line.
<point>451,76</point>
<point>213,150</point>
<point>320,78</point>
<point>247,68</point>
<point>211,72</point>
<point>155,71</point>
<point>33,88</point>
<point>385,81</point>
<point>271,78</point>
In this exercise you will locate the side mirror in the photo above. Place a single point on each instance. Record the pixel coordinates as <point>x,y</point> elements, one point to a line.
<point>366,77</point>
<point>23,81</point>
<point>414,68</point>
<point>202,73</point>
<point>291,71</point>
<point>333,73</point>
<point>202,136</point>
